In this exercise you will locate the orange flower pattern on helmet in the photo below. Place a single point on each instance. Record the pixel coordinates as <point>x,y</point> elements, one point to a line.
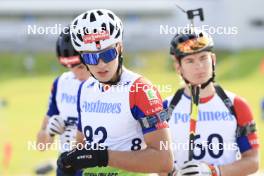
<point>193,45</point>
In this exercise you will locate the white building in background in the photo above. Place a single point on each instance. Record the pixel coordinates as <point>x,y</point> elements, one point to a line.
<point>146,22</point>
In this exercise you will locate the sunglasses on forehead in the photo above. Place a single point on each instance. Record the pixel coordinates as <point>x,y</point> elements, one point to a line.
<point>93,58</point>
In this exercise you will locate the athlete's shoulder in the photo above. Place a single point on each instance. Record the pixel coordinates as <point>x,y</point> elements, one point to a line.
<point>89,83</point>
<point>230,95</point>
<point>67,75</point>
<point>167,101</point>
<point>53,109</point>
<point>128,76</point>
<point>142,85</point>
<point>145,96</point>
<point>142,80</point>
<point>54,84</point>
<point>243,110</point>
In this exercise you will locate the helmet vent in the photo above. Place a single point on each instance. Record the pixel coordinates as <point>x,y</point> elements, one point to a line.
<point>77,44</point>
<point>79,35</point>
<point>85,31</point>
<point>118,33</point>
<point>92,17</point>
<point>103,26</point>
<point>84,16</point>
<point>111,28</point>
<point>99,13</point>
<point>111,16</point>
<point>98,45</point>
<point>75,24</point>
<point>73,36</point>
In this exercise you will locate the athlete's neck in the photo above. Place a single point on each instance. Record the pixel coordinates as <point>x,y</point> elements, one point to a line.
<point>83,77</point>
<point>206,92</point>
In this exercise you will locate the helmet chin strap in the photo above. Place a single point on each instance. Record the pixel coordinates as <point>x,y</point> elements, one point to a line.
<point>203,85</point>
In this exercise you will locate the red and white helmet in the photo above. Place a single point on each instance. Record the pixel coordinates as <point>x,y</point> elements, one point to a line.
<point>96,30</point>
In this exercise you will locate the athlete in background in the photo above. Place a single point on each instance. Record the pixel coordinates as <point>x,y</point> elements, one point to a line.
<point>62,116</point>
<point>225,127</point>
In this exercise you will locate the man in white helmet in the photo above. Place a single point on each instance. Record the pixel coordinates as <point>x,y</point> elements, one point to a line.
<point>121,111</point>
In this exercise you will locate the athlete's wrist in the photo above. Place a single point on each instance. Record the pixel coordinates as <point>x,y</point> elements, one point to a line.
<point>84,158</point>
<point>215,170</point>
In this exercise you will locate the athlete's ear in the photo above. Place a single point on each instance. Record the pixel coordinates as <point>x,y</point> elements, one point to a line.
<point>213,56</point>
<point>120,47</point>
<point>176,64</point>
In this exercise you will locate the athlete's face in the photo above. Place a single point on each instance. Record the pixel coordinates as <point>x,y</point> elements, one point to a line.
<point>197,68</point>
<point>80,71</point>
<point>105,71</point>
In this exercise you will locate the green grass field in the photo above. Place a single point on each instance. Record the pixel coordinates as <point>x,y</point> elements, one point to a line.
<point>27,94</point>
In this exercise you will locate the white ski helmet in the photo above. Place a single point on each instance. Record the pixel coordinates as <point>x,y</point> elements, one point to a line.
<point>96,30</point>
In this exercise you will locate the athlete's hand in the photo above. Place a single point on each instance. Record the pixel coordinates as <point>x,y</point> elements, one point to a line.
<point>67,171</point>
<point>196,168</point>
<point>69,134</point>
<point>55,125</point>
<point>84,158</point>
